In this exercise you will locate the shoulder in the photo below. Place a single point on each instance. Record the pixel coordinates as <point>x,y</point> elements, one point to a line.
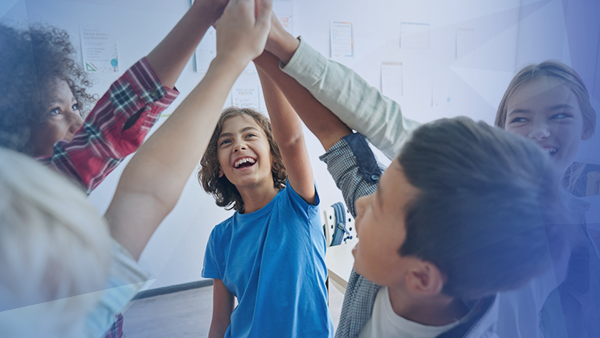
<point>221,229</point>
<point>291,196</point>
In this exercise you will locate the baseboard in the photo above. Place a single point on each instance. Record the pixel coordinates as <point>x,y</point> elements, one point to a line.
<point>173,288</point>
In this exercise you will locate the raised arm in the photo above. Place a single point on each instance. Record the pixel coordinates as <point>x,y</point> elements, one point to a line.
<point>123,118</point>
<point>152,182</point>
<point>358,104</point>
<point>170,56</point>
<point>321,121</point>
<point>287,131</point>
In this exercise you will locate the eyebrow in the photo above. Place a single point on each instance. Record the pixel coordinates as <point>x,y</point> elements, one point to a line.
<point>241,131</point>
<point>55,101</point>
<point>527,111</point>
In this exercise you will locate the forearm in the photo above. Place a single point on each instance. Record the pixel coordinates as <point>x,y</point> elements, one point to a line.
<point>223,301</point>
<point>286,125</point>
<point>171,55</point>
<point>154,179</point>
<point>359,105</point>
<point>281,43</point>
<point>354,169</point>
<point>177,146</point>
<point>287,131</point>
<point>320,120</point>
<point>122,116</point>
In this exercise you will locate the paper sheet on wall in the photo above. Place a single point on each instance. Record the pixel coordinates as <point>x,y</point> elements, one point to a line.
<point>414,35</point>
<point>284,11</point>
<point>206,50</point>
<point>245,96</point>
<point>391,80</point>
<point>465,41</point>
<point>342,44</point>
<point>99,49</point>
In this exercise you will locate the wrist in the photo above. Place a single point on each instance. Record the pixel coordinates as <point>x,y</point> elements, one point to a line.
<point>208,9</point>
<point>283,46</point>
<point>230,61</point>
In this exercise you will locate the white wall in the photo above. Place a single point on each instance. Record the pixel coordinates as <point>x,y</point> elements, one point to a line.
<point>475,83</point>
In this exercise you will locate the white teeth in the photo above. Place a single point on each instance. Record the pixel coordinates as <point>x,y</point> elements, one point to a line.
<point>239,162</point>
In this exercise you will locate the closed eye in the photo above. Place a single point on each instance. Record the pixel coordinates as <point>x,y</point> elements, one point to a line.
<point>561,116</point>
<point>224,142</point>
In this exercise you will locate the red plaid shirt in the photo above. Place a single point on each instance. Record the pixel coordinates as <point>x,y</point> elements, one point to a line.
<point>103,141</point>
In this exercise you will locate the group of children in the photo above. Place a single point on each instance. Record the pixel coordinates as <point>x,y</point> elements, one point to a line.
<point>471,232</point>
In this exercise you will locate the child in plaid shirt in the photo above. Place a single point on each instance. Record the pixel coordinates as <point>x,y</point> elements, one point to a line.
<point>42,113</point>
<point>142,200</point>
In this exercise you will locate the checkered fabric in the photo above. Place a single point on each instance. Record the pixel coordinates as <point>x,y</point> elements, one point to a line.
<point>115,128</point>
<point>116,330</point>
<point>356,173</point>
<point>349,167</point>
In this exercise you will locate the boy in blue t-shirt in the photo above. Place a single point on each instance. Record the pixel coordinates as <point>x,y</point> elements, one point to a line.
<point>270,253</point>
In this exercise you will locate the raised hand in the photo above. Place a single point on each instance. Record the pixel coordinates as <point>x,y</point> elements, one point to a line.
<point>242,30</point>
<point>280,42</point>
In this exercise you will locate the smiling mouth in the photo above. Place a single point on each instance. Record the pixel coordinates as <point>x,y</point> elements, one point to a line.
<point>244,163</point>
<point>551,150</point>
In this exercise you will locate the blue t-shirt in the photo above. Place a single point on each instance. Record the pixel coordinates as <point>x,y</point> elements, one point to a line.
<point>273,261</point>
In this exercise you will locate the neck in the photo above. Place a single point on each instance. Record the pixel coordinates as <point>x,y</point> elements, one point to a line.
<point>435,310</point>
<point>257,196</point>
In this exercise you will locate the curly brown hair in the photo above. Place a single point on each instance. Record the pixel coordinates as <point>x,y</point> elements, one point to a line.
<point>224,192</point>
<point>32,59</point>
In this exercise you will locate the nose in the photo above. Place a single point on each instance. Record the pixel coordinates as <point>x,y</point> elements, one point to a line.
<point>239,146</point>
<point>75,121</point>
<point>360,204</point>
<point>539,131</point>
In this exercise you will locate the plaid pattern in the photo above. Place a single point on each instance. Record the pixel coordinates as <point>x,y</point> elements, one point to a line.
<point>104,142</point>
<point>356,172</point>
<point>116,330</point>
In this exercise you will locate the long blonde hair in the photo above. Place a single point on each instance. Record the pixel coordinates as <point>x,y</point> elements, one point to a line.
<point>54,251</point>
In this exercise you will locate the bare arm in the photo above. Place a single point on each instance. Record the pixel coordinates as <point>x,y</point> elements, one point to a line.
<point>222,308</point>
<point>321,121</point>
<point>281,43</point>
<point>287,131</point>
<point>170,56</point>
<point>152,182</point>
<point>358,104</point>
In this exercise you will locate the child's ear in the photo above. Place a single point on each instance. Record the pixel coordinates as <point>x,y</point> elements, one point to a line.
<point>220,172</point>
<point>425,278</point>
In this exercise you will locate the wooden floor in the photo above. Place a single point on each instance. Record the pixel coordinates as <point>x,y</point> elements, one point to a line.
<point>187,314</point>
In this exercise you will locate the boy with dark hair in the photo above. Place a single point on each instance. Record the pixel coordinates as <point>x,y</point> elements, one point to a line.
<point>455,220</point>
